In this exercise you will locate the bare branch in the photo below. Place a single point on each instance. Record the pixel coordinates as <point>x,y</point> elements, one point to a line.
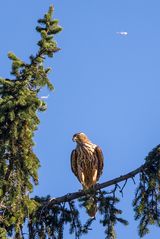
<point>71,196</point>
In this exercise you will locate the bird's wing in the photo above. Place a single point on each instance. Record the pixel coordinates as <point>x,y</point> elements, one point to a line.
<point>100,158</point>
<point>74,163</point>
<point>74,166</point>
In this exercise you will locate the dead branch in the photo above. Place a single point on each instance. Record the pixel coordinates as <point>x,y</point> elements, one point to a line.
<point>71,196</point>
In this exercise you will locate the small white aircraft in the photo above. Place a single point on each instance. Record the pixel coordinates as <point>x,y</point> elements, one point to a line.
<point>122,33</point>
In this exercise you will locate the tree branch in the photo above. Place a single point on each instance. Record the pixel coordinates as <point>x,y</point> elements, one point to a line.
<point>71,196</point>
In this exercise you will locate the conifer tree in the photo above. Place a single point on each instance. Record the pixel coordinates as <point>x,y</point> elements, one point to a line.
<point>45,217</point>
<point>19,104</point>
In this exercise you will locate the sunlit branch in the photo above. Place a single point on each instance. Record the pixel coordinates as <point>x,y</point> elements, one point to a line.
<point>71,196</point>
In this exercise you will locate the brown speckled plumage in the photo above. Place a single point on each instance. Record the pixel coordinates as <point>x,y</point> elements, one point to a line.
<point>86,161</point>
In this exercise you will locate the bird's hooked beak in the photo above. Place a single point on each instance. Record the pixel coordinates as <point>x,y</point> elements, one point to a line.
<point>74,138</point>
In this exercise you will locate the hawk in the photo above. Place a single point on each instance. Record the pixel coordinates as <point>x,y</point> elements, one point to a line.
<point>87,164</point>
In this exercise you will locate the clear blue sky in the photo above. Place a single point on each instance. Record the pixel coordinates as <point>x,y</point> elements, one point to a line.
<point>106,85</point>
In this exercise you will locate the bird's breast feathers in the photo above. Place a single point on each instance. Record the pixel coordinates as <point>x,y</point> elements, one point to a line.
<point>88,148</point>
<point>87,163</point>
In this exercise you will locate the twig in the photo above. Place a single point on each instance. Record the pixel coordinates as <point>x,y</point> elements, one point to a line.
<point>73,220</point>
<point>121,191</point>
<point>114,189</point>
<point>133,180</point>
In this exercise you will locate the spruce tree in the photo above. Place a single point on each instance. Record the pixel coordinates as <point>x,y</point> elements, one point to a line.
<point>19,104</point>
<point>46,217</point>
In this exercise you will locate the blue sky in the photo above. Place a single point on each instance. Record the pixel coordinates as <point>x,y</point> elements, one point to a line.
<point>106,85</point>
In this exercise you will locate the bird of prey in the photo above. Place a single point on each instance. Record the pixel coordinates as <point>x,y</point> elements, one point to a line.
<point>87,165</point>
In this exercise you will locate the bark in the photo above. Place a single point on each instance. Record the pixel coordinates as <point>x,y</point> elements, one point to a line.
<point>71,196</point>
